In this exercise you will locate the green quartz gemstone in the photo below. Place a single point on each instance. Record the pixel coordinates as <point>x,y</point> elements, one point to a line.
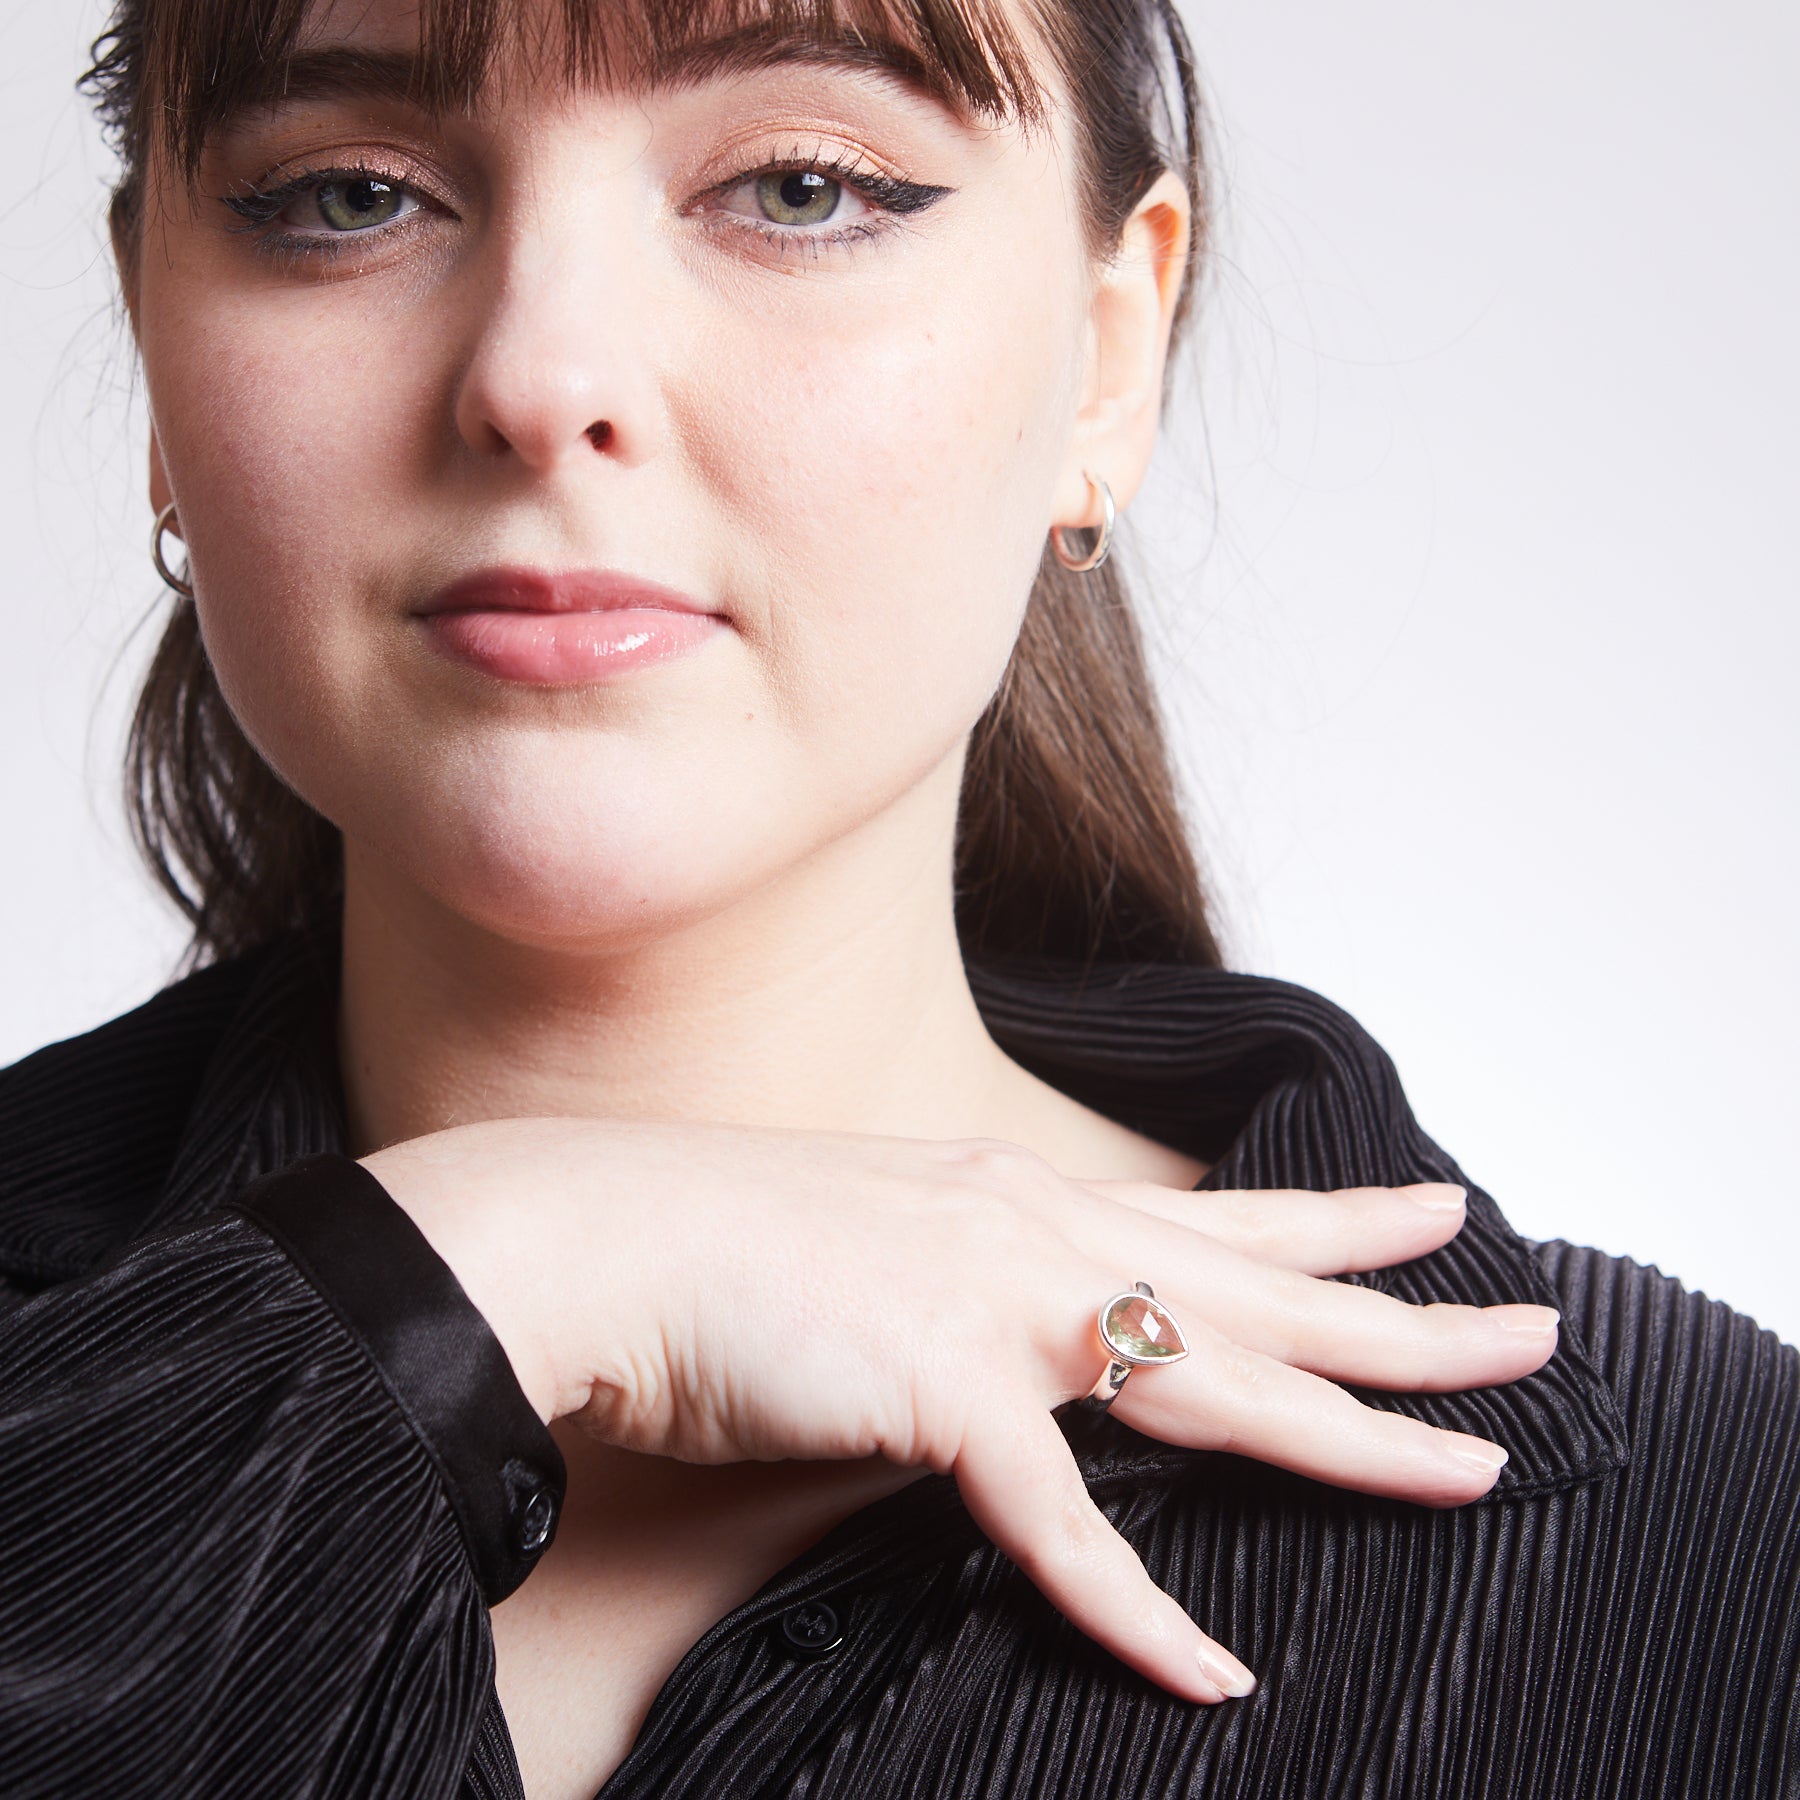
<point>1141,1330</point>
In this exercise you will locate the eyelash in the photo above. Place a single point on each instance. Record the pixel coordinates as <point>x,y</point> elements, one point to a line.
<point>893,198</point>
<point>261,207</point>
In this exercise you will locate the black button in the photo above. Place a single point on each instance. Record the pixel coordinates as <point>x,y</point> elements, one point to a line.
<point>812,1629</point>
<point>535,1521</point>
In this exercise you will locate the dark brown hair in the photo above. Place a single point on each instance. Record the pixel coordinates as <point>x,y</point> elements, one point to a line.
<point>1070,837</point>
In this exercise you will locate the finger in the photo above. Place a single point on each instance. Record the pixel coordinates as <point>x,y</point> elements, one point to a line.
<point>1334,1233</point>
<point>1331,1328</point>
<point>1021,1486</point>
<point>1373,1339</point>
<point>1224,1397</point>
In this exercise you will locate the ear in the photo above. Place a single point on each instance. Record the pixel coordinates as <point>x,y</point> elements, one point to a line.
<point>160,496</point>
<point>1133,310</point>
<point>121,222</point>
<point>121,226</point>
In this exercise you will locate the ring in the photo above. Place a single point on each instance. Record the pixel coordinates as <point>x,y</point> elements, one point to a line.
<point>1135,1328</point>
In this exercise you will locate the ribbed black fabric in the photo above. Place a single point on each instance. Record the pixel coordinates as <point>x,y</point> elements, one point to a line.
<point>230,1561</point>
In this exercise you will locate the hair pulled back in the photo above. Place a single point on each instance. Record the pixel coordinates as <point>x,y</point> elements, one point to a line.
<point>1070,836</point>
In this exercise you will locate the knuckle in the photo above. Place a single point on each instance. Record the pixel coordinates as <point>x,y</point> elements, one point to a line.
<point>1071,1544</point>
<point>997,1163</point>
<point>1244,1219</point>
<point>994,1196</point>
<point>1239,1394</point>
<point>1440,1326</point>
<point>1241,1372</point>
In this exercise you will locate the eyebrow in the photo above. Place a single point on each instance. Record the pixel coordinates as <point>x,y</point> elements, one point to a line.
<point>343,72</point>
<point>334,73</point>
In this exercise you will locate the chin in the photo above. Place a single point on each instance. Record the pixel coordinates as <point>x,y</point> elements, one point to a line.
<point>585,872</point>
<point>590,839</point>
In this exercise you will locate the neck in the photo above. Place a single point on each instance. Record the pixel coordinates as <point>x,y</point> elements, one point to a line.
<point>834,999</point>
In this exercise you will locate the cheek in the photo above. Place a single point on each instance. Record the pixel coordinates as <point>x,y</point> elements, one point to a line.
<point>292,444</point>
<point>292,438</point>
<point>894,479</point>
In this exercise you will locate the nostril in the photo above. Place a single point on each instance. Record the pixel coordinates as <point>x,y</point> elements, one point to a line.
<point>600,433</point>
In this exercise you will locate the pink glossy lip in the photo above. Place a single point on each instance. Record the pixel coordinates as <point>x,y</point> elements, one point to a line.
<point>563,630</point>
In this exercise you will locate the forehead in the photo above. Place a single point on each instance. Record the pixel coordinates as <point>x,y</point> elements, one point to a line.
<point>220,56</point>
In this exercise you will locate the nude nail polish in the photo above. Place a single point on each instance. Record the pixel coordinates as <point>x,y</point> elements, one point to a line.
<point>1527,1321</point>
<point>1486,1459</point>
<point>1437,1196</point>
<point>1226,1673</point>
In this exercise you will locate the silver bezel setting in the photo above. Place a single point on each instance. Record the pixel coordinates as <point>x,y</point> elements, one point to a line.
<point>1118,1351</point>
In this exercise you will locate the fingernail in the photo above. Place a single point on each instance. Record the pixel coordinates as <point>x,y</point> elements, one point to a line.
<point>1484,1459</point>
<point>1526,1321</point>
<point>1436,1196</point>
<point>1226,1673</point>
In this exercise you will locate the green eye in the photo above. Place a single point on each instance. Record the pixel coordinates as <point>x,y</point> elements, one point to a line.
<point>356,205</point>
<point>798,196</point>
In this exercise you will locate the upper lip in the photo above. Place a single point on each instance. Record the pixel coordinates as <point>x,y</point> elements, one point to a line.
<point>540,591</point>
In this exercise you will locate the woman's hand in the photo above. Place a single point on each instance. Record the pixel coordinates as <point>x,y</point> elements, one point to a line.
<point>720,1294</point>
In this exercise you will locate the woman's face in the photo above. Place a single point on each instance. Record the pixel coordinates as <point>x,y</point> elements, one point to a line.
<point>795,344</point>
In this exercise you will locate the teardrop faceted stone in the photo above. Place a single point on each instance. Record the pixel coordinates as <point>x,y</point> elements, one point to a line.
<point>1142,1330</point>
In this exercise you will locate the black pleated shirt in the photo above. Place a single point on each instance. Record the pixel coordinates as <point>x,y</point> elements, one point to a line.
<point>263,1469</point>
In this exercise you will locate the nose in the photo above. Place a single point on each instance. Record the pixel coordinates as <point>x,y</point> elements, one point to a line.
<point>558,369</point>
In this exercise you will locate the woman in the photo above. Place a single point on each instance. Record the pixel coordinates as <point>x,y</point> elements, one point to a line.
<point>596,1285</point>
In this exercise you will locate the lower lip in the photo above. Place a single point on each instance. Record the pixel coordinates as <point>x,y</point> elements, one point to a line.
<point>569,649</point>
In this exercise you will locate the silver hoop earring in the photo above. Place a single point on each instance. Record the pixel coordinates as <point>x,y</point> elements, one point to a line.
<point>179,583</point>
<point>1109,517</point>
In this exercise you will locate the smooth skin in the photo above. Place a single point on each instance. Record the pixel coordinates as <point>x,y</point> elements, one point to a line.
<point>653,1012</point>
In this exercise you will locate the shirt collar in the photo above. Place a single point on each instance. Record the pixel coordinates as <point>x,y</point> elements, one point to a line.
<point>1274,1086</point>
<point>271,1093</point>
<point>1279,1088</point>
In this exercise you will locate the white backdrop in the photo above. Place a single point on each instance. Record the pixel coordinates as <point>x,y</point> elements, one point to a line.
<point>1474,547</point>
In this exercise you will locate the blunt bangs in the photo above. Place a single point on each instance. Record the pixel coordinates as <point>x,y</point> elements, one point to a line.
<point>180,68</point>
